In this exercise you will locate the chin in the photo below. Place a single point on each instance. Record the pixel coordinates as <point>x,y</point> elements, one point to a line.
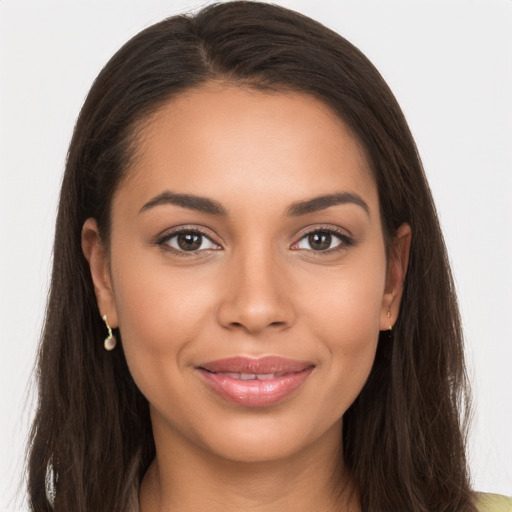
<point>262,439</point>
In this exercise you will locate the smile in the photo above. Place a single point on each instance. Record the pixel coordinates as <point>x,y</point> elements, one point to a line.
<point>252,376</point>
<point>255,382</point>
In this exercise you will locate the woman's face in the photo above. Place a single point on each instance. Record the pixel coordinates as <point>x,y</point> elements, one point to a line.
<point>248,273</point>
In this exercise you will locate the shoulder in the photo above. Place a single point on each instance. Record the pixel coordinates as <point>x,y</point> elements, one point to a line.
<point>493,503</point>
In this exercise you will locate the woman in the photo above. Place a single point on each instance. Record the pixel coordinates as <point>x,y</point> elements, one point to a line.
<point>245,220</point>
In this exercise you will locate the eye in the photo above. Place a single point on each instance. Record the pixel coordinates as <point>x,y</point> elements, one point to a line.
<point>188,241</point>
<point>322,240</point>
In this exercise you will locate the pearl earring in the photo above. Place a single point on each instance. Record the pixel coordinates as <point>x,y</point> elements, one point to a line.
<point>110,341</point>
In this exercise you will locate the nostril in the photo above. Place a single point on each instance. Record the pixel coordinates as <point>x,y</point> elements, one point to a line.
<point>253,311</point>
<point>256,327</point>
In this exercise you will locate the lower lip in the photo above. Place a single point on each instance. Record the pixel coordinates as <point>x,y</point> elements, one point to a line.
<point>256,393</point>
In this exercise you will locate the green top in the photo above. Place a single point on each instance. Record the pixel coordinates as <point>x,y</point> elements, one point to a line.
<point>493,503</point>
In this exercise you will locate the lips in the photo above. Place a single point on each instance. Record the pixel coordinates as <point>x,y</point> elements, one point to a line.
<point>255,382</point>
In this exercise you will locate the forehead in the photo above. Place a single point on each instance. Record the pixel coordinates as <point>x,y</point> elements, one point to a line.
<point>226,141</point>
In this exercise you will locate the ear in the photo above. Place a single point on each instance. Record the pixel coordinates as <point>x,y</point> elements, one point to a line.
<point>97,257</point>
<point>397,270</point>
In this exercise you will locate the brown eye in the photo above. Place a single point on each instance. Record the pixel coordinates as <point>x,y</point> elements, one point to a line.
<point>320,241</point>
<point>189,241</point>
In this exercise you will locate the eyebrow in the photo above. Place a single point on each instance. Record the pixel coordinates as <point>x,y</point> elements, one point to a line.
<point>206,205</point>
<point>192,202</point>
<point>323,202</point>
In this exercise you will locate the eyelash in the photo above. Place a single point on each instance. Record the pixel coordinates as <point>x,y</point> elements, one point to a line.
<point>163,241</point>
<point>345,240</point>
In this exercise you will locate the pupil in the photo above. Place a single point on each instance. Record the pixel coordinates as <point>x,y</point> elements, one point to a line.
<point>320,241</point>
<point>189,241</point>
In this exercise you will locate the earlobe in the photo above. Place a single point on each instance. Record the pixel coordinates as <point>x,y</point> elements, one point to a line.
<point>97,257</point>
<point>395,278</point>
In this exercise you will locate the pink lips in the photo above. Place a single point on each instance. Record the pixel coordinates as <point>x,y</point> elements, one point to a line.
<point>255,382</point>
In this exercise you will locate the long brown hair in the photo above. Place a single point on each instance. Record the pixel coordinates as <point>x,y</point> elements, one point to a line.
<point>404,435</point>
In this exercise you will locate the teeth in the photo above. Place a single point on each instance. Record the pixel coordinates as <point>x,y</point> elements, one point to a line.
<point>266,376</point>
<point>251,376</point>
<point>230,374</point>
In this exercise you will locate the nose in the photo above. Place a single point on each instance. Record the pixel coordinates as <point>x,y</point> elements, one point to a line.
<point>257,295</point>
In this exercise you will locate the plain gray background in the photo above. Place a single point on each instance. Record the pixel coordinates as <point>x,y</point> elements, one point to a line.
<point>448,62</point>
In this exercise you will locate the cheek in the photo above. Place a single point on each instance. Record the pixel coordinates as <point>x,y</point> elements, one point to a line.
<point>157,303</point>
<point>161,312</point>
<point>348,323</point>
<point>344,316</point>
<point>344,305</point>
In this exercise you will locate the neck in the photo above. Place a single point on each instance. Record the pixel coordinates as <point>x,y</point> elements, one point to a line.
<point>186,478</point>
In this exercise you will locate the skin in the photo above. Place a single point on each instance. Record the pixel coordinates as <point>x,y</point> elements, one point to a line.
<point>256,287</point>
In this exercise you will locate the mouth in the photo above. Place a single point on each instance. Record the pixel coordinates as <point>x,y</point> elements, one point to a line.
<point>255,382</point>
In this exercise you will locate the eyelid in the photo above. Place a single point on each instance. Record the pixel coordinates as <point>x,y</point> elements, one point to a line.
<point>332,228</point>
<point>163,239</point>
<point>344,235</point>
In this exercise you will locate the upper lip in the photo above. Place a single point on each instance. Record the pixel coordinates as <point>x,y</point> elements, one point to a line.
<point>263,365</point>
